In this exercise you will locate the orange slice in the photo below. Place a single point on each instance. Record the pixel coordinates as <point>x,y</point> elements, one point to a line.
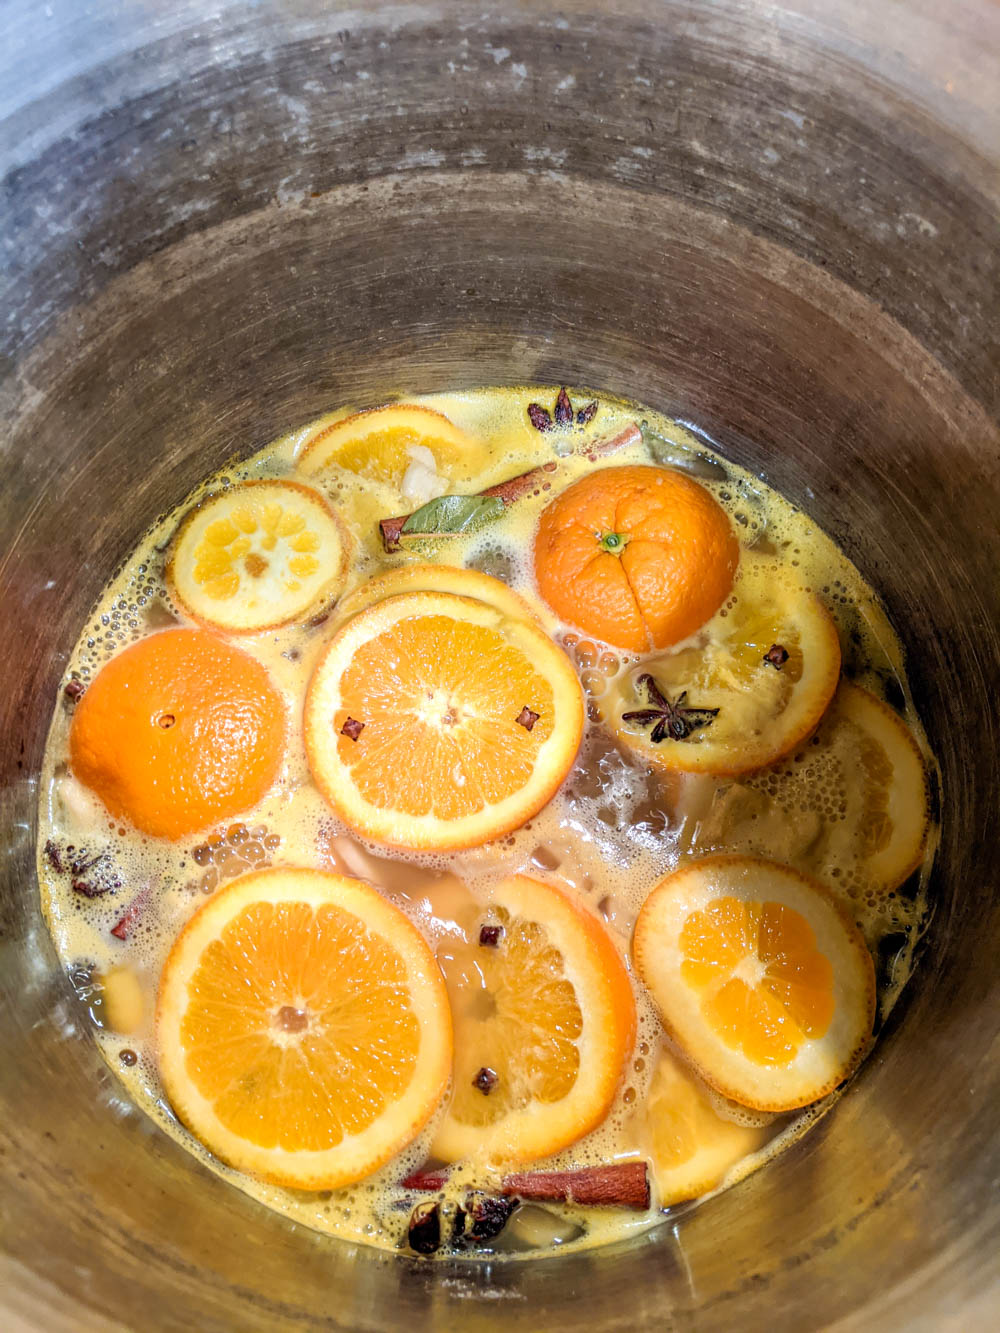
<point>850,805</point>
<point>259,555</point>
<point>764,709</point>
<point>544,1023</point>
<point>380,444</point>
<point>302,1028</point>
<point>436,722</point>
<point>693,1146</point>
<point>435,578</point>
<point>759,976</point>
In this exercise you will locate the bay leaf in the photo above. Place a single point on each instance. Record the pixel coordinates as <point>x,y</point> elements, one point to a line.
<point>452,514</point>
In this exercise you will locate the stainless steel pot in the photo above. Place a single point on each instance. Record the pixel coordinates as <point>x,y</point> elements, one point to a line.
<point>778,221</point>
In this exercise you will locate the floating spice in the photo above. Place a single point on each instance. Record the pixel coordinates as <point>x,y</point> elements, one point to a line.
<point>526,718</point>
<point>669,718</point>
<point>776,656</point>
<point>486,1080</point>
<point>562,414</point>
<point>352,729</point>
<point>424,1232</point>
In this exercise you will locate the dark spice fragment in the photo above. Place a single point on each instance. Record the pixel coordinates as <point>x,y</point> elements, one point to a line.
<point>81,863</point>
<point>563,412</point>
<point>128,1057</point>
<point>92,890</point>
<point>526,718</point>
<point>352,729</point>
<point>430,1180</point>
<point>55,859</point>
<point>487,1215</point>
<point>669,718</point>
<point>73,689</point>
<point>539,418</point>
<point>486,1080</point>
<point>124,927</point>
<point>424,1233</point>
<point>489,936</point>
<point>776,656</point>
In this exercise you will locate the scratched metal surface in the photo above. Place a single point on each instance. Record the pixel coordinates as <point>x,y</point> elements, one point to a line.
<point>778,221</point>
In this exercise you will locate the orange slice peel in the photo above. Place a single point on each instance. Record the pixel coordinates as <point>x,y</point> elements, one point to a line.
<point>434,578</point>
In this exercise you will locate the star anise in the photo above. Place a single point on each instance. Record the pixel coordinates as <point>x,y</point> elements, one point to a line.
<point>671,718</point>
<point>561,415</point>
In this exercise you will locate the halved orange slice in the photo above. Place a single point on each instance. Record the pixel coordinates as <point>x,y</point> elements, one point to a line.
<point>256,556</point>
<point>437,722</point>
<point>544,1024</point>
<point>382,442</point>
<point>746,689</point>
<point>850,805</point>
<point>759,976</point>
<point>435,578</point>
<point>302,1028</point>
<point>692,1145</point>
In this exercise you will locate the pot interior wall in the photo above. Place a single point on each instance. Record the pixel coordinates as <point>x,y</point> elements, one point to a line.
<point>268,213</point>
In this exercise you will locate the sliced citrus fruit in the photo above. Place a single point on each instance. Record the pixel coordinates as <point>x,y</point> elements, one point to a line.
<point>178,732</point>
<point>745,691</point>
<point>302,1028</point>
<point>759,976</point>
<point>258,555</point>
<point>544,1023</point>
<point>382,442</point>
<point>850,805</point>
<point>435,578</point>
<point>437,721</point>
<point>692,1146</point>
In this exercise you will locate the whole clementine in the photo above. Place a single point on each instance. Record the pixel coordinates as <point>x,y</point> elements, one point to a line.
<point>179,731</point>
<point>637,556</point>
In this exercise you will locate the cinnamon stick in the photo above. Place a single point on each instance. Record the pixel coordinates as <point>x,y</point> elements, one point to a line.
<point>618,1185</point>
<point>515,488</point>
